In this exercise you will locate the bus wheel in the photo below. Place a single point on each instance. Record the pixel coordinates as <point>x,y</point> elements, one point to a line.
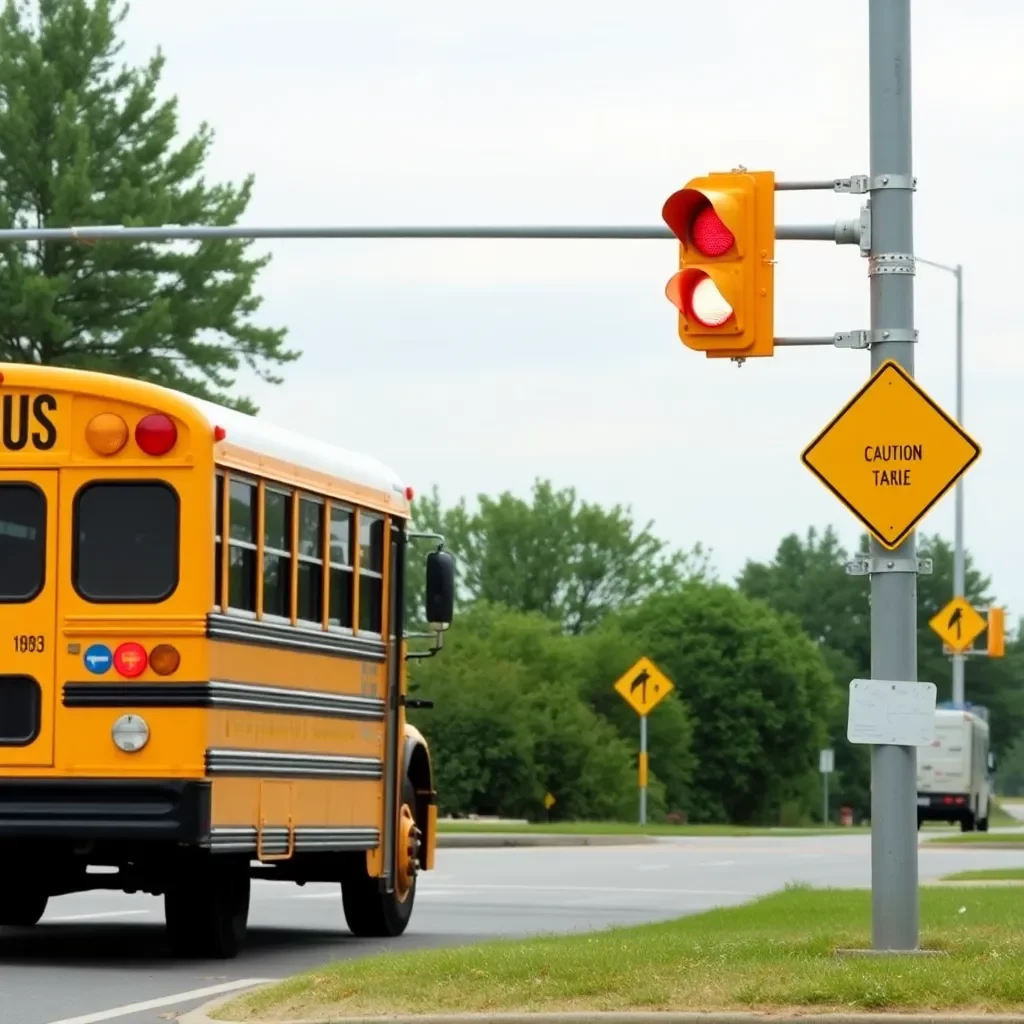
<point>22,906</point>
<point>370,913</point>
<point>207,909</point>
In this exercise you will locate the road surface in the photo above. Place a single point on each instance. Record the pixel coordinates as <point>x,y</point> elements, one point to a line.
<point>98,956</point>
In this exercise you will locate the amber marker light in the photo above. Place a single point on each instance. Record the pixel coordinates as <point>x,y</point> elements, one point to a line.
<point>106,433</point>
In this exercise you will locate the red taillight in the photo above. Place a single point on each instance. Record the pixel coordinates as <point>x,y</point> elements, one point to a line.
<point>705,303</point>
<point>709,234</point>
<point>156,434</point>
<point>130,660</point>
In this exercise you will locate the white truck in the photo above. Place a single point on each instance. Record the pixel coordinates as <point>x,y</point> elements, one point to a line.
<point>954,774</point>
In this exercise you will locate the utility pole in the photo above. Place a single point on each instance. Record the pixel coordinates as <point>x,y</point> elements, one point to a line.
<point>894,869</point>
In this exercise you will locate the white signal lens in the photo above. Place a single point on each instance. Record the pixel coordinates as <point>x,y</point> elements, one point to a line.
<point>708,305</point>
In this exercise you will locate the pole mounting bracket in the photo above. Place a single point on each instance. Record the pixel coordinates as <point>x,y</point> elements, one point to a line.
<point>870,566</point>
<point>865,339</point>
<point>859,184</point>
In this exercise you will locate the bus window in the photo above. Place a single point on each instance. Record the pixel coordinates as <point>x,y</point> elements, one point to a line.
<point>242,546</point>
<point>311,560</point>
<point>22,542</point>
<point>371,572</point>
<point>340,611</point>
<point>126,541</point>
<point>277,557</point>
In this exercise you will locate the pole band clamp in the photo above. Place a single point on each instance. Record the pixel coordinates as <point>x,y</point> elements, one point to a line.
<point>872,566</point>
<point>865,339</point>
<point>891,263</point>
<point>858,184</point>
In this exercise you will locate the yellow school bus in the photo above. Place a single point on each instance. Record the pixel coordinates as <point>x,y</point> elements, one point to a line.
<point>202,661</point>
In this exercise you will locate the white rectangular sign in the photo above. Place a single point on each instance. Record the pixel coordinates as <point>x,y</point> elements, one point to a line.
<point>891,712</point>
<point>826,762</point>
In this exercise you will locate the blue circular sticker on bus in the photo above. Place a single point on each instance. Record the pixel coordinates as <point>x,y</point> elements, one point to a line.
<point>98,659</point>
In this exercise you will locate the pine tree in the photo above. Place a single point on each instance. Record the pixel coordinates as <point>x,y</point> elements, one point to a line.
<point>84,141</point>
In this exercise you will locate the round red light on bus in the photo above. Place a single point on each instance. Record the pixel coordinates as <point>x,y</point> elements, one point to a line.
<point>709,234</point>
<point>156,434</point>
<point>130,660</point>
<point>408,494</point>
<point>706,304</point>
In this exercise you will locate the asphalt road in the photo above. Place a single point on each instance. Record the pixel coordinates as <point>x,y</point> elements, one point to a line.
<point>100,956</point>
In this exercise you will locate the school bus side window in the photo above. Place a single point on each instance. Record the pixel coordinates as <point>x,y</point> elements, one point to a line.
<point>309,606</point>
<point>218,547</point>
<point>126,539</point>
<point>242,546</point>
<point>371,572</point>
<point>340,613</point>
<point>22,542</point>
<point>277,553</point>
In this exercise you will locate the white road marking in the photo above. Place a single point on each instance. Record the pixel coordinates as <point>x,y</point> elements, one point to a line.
<point>92,917</point>
<point>153,1004</point>
<point>651,867</point>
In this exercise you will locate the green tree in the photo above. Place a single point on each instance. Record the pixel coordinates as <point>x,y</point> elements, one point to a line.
<point>760,693</point>
<point>566,559</point>
<point>85,142</point>
<point>509,725</point>
<point>807,578</point>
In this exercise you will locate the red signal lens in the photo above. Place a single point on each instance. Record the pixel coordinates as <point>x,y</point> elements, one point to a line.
<point>130,660</point>
<point>706,304</point>
<point>709,234</point>
<point>156,434</point>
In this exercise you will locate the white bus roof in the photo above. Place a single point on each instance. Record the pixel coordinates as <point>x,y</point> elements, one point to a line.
<point>257,435</point>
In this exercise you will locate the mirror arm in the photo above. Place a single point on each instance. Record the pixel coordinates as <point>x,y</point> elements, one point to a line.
<point>438,639</point>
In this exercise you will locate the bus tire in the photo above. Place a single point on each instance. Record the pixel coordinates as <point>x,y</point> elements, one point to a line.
<point>207,909</point>
<point>371,913</point>
<point>21,906</point>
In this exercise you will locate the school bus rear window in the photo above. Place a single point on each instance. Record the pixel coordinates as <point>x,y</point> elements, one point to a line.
<point>22,542</point>
<point>126,541</point>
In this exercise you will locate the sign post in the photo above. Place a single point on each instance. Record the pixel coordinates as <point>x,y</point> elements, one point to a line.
<point>826,765</point>
<point>643,687</point>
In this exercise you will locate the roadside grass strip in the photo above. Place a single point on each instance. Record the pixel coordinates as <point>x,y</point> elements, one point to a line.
<point>775,954</point>
<point>987,875</point>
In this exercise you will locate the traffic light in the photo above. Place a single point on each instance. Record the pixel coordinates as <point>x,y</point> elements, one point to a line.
<point>724,291</point>
<point>996,638</point>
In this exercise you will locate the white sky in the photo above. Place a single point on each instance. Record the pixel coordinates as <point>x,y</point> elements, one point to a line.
<point>482,365</point>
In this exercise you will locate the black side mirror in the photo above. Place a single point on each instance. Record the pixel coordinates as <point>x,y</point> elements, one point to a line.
<point>440,603</point>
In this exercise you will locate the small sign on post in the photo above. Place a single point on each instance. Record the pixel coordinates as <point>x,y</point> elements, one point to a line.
<point>643,687</point>
<point>826,765</point>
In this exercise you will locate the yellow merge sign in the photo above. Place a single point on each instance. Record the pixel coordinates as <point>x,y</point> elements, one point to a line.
<point>958,625</point>
<point>890,454</point>
<point>643,686</point>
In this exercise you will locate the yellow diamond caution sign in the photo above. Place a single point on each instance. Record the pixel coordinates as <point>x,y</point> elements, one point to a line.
<point>958,625</point>
<point>643,686</point>
<point>890,454</point>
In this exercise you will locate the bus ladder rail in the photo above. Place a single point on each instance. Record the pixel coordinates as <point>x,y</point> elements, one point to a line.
<point>261,855</point>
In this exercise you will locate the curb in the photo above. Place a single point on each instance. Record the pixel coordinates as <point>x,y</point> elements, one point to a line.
<point>938,845</point>
<point>199,1016</point>
<point>490,840</point>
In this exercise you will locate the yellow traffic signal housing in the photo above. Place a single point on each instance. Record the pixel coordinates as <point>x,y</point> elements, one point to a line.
<point>725,287</point>
<point>996,639</point>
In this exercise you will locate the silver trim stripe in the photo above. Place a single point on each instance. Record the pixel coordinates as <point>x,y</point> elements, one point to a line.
<point>308,839</point>
<point>227,761</point>
<point>254,697</point>
<point>296,638</point>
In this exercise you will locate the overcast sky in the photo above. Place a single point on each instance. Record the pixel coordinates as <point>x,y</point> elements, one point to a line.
<point>482,365</point>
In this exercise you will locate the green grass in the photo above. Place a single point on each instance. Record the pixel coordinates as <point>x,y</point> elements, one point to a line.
<point>999,818</point>
<point>595,828</point>
<point>987,875</point>
<point>775,954</point>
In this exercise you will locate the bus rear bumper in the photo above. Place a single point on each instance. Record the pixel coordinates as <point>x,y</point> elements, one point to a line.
<point>162,810</point>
